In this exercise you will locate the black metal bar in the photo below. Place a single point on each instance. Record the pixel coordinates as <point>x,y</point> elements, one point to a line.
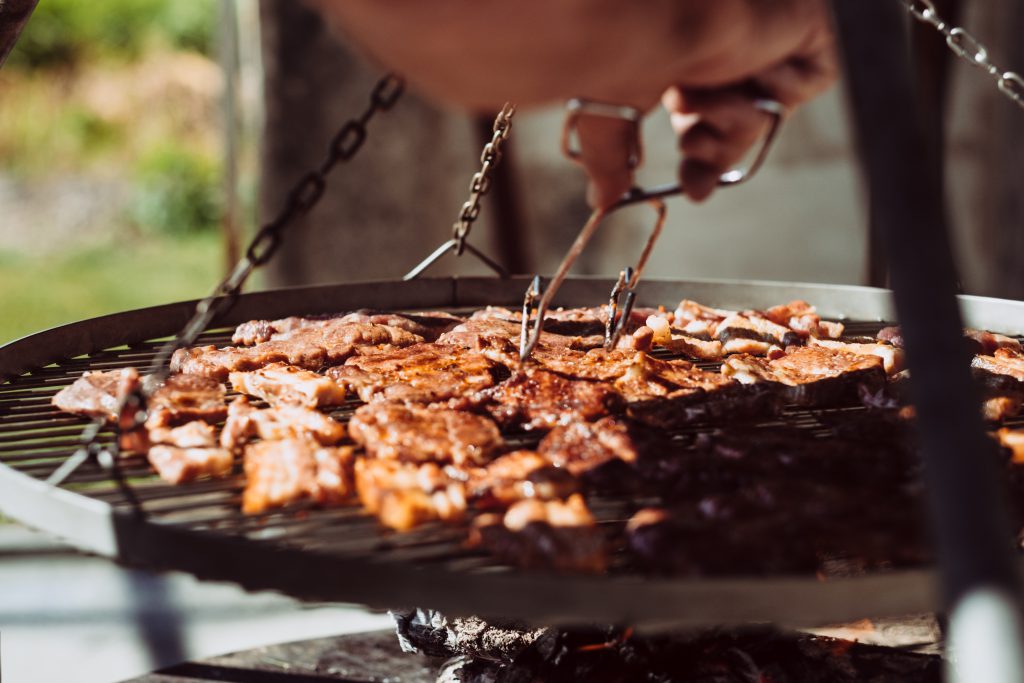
<point>968,511</point>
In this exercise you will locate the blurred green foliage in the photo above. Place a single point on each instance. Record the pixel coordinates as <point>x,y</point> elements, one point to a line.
<point>176,192</point>
<point>63,32</point>
<point>40,291</point>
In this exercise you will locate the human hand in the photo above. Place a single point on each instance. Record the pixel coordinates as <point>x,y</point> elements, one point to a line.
<point>706,62</point>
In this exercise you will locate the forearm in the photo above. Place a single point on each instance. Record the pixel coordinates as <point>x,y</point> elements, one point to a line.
<point>478,53</point>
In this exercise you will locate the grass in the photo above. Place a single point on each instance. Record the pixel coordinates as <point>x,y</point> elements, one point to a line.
<point>37,292</point>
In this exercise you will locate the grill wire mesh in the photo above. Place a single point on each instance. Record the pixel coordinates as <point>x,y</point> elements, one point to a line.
<point>35,438</point>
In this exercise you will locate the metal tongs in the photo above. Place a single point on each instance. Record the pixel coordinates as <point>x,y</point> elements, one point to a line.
<point>623,294</point>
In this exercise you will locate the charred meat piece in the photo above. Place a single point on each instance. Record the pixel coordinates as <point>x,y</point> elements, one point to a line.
<point>1004,369</point>
<point>1000,408</point>
<point>981,341</point>
<point>285,385</point>
<point>560,535</point>
<point>245,423</point>
<point>574,334</point>
<point>405,495</point>
<point>811,376</point>
<point>538,399</point>
<point>892,356</point>
<point>95,394</point>
<point>218,364</point>
<point>259,331</point>
<point>391,431</point>
<point>672,394</point>
<point>422,373</point>
<point>182,398</point>
<point>753,334</point>
<point>516,476</point>
<point>285,471</point>
<point>427,324</point>
<point>677,341</point>
<point>803,319</point>
<point>178,464</point>
<point>584,446</point>
<point>312,348</point>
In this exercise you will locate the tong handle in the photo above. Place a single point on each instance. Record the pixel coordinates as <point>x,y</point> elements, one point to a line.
<point>774,109</point>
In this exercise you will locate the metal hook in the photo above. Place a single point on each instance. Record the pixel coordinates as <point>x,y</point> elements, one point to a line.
<point>453,245</point>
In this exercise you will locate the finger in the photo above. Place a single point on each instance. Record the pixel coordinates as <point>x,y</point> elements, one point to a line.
<point>699,179</point>
<point>797,80</point>
<point>730,110</point>
<point>716,130</point>
<point>607,147</point>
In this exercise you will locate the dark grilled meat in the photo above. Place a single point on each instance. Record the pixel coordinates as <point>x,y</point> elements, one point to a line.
<point>392,431</point>
<point>517,476</point>
<point>310,347</point>
<point>538,399</point>
<point>285,385</point>
<point>811,376</point>
<point>280,472</point>
<point>981,342</point>
<point>182,398</point>
<point>422,373</point>
<point>583,446</point>
<point>554,534</point>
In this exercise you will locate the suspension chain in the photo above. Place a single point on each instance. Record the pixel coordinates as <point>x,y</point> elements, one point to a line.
<point>968,48</point>
<point>481,181</point>
<point>303,196</point>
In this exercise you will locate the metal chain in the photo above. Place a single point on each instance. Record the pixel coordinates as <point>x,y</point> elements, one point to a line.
<point>481,181</point>
<point>302,197</point>
<point>970,49</point>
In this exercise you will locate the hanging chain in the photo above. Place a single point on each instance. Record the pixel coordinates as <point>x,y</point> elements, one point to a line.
<point>967,47</point>
<point>302,197</point>
<point>300,200</point>
<point>481,181</point>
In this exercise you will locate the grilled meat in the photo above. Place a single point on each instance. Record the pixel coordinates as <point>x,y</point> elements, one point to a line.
<point>517,476</point>
<point>582,447</point>
<point>405,495</point>
<point>285,385</point>
<point>981,342</point>
<point>802,318</point>
<point>179,465</point>
<point>196,434</point>
<point>182,398</point>
<point>311,347</point>
<point>552,534</point>
<point>94,394</point>
<point>246,422</point>
<point>392,431</point>
<point>284,471</point>
<point>538,399</point>
<point>562,334</point>
<point>429,325</point>
<point>422,373</point>
<point>892,356</point>
<point>811,376</point>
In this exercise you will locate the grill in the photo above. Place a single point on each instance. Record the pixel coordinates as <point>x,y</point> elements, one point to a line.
<point>342,554</point>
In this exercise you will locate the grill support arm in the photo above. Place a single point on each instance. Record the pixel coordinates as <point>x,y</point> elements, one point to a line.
<point>969,517</point>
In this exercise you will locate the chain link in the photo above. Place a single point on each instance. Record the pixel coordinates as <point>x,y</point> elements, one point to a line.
<point>481,181</point>
<point>264,244</point>
<point>300,200</point>
<point>968,48</point>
